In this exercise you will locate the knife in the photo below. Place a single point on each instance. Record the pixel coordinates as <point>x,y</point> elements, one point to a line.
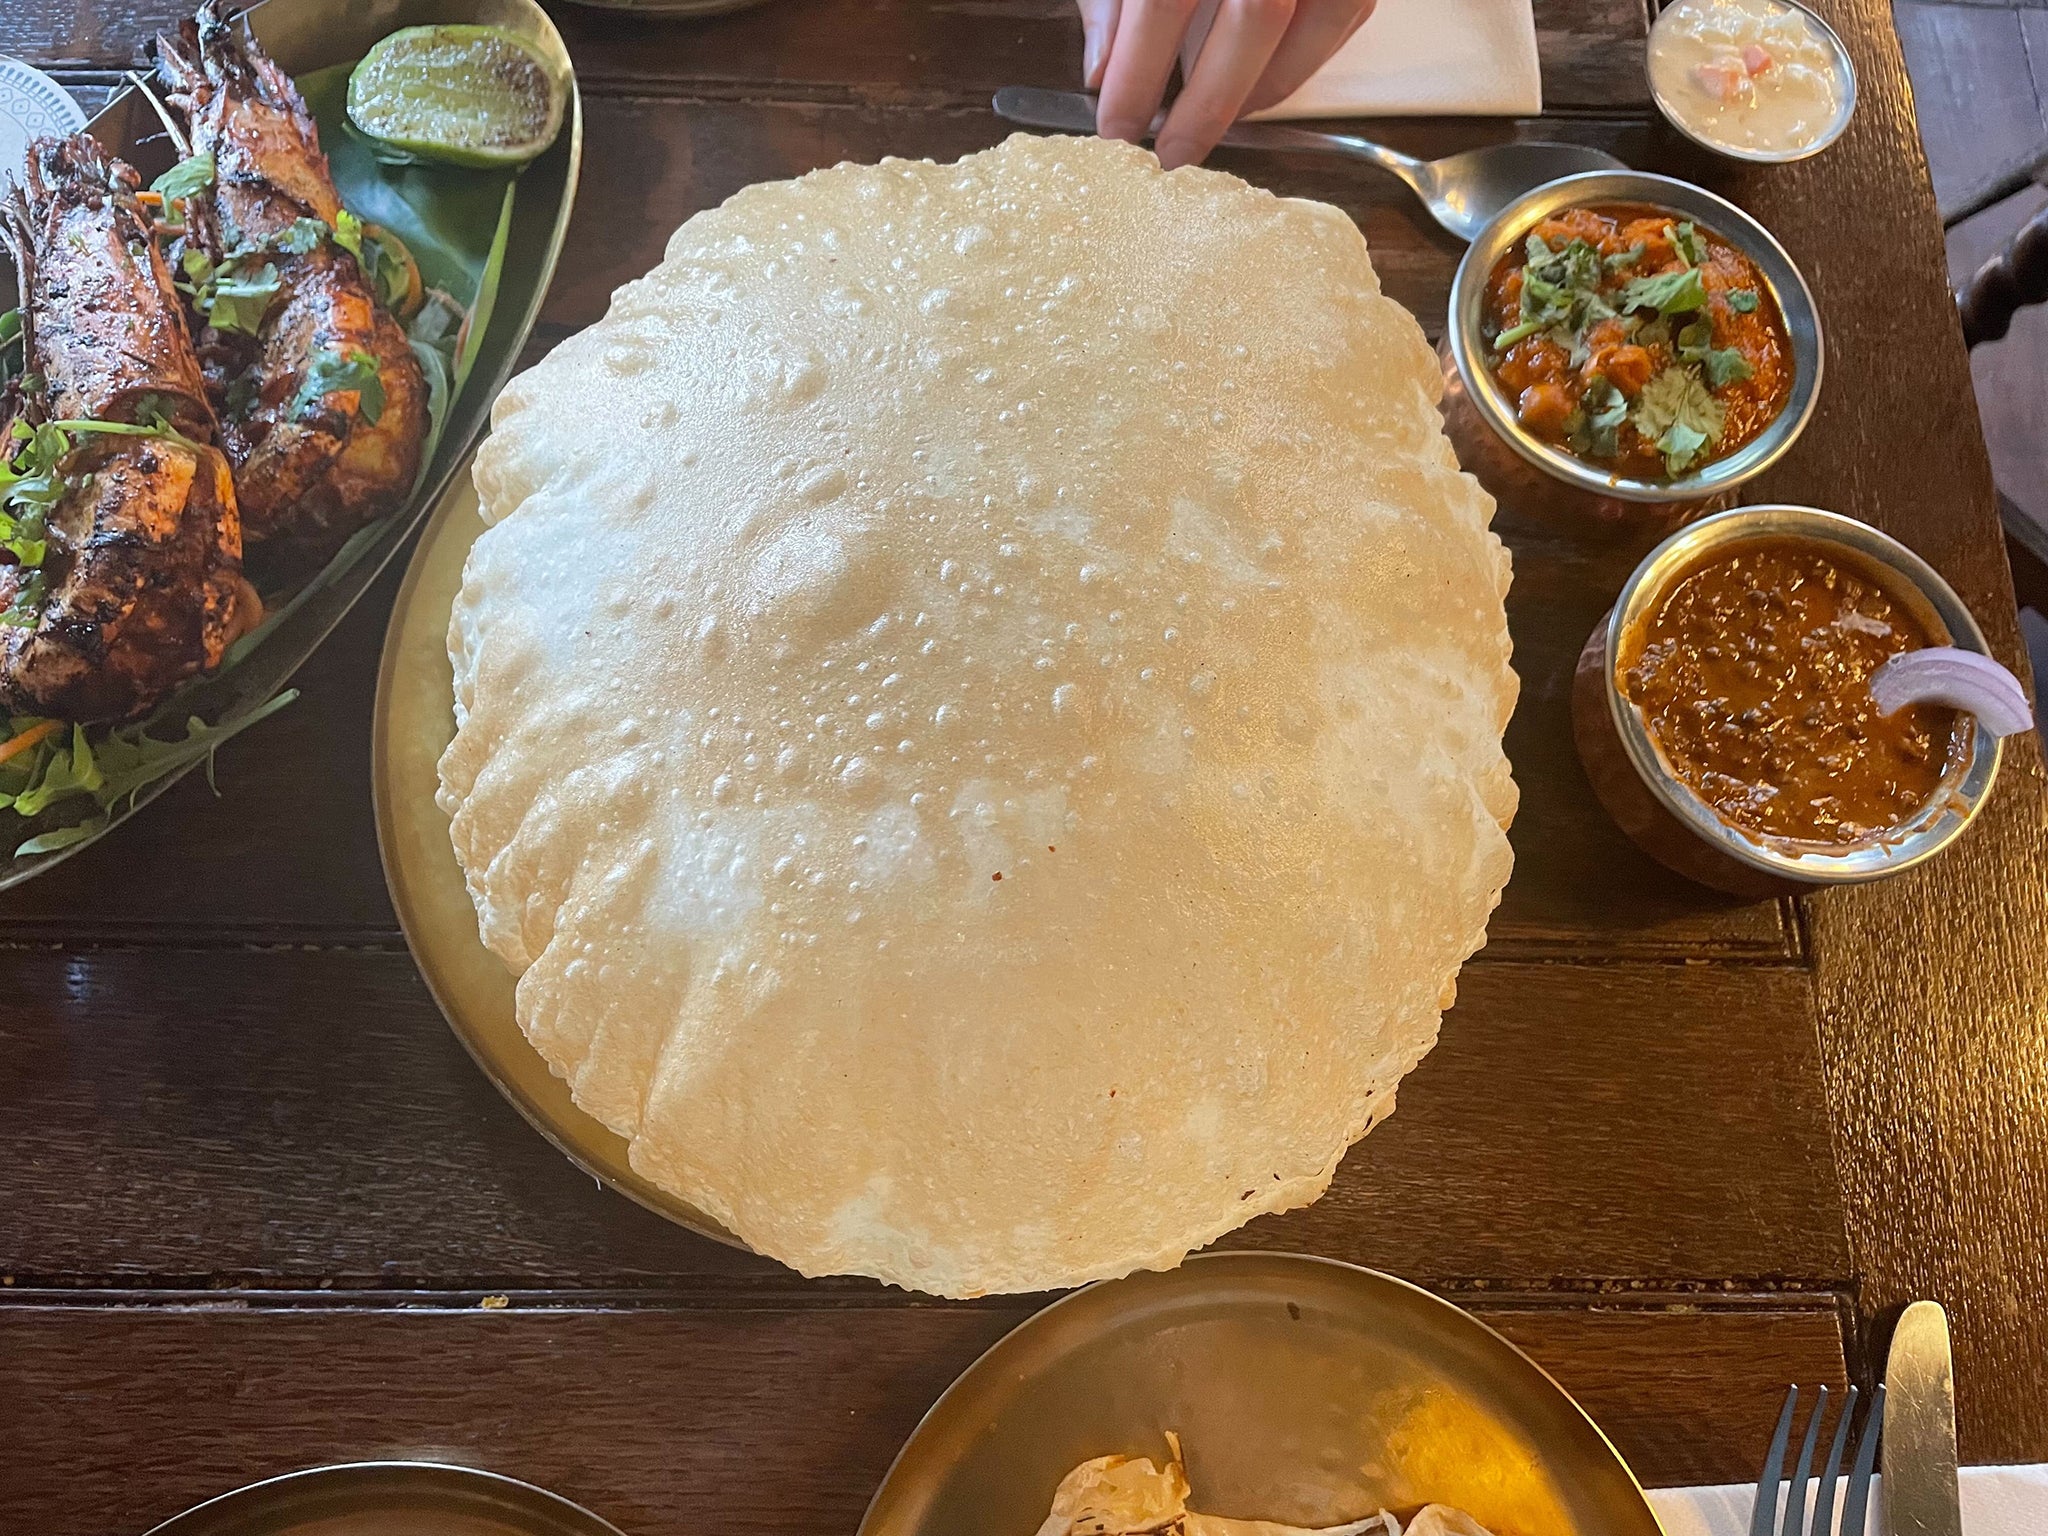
<point>1462,192</point>
<point>1920,1495</point>
<point>1074,112</point>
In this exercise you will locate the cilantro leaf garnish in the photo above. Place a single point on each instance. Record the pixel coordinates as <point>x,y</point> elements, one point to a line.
<point>388,273</point>
<point>348,233</point>
<point>27,605</point>
<point>1560,292</point>
<point>1621,260</point>
<point>1678,415</point>
<point>29,478</point>
<point>300,236</point>
<point>24,536</point>
<point>30,487</point>
<point>189,177</point>
<point>1742,300</point>
<point>197,267</point>
<point>1602,410</point>
<point>237,301</point>
<point>1687,242</point>
<point>1669,293</point>
<point>1680,445</point>
<point>235,293</point>
<point>332,372</point>
<point>1722,365</point>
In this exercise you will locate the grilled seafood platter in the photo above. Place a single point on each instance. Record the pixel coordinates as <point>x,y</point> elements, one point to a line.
<point>220,388</point>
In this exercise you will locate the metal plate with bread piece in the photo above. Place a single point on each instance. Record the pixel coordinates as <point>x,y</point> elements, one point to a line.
<point>1303,1390</point>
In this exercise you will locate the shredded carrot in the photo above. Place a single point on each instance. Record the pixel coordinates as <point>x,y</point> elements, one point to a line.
<point>150,199</point>
<point>29,738</point>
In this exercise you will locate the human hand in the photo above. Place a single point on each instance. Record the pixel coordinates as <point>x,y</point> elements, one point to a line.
<point>1257,52</point>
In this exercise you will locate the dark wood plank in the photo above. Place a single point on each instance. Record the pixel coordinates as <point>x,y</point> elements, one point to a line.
<point>1932,987</point>
<point>847,49</point>
<point>1723,1368</point>
<point>255,865</point>
<point>1977,94</point>
<point>298,1118</point>
<point>755,1421</point>
<point>2010,376</point>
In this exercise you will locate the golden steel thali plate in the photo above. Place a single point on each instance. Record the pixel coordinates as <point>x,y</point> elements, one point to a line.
<point>413,724</point>
<point>1303,1390</point>
<point>388,1498</point>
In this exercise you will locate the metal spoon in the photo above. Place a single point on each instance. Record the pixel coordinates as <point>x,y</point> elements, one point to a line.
<point>1463,191</point>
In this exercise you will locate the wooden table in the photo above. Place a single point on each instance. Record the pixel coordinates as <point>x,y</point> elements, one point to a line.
<point>253,1195</point>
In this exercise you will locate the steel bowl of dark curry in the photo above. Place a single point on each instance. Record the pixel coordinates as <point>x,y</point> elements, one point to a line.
<point>1626,349</point>
<point>1724,714</point>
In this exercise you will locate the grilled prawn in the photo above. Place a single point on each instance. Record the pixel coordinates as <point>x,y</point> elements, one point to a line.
<point>121,575</point>
<point>319,447</point>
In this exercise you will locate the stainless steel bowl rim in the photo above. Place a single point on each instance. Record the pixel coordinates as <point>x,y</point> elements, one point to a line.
<point>267,1494</point>
<point>1932,829</point>
<point>1843,62</point>
<point>1788,287</point>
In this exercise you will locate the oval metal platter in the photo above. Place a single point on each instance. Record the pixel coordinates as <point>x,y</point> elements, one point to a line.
<point>413,723</point>
<point>388,1498</point>
<point>303,36</point>
<point>1303,1390</point>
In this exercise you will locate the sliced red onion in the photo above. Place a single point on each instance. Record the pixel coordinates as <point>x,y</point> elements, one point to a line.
<point>1963,680</point>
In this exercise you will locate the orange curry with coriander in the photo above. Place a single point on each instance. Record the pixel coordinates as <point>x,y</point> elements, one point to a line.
<point>1752,676</point>
<point>1639,342</point>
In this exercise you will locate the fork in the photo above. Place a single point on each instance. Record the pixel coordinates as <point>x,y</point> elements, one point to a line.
<point>1856,1497</point>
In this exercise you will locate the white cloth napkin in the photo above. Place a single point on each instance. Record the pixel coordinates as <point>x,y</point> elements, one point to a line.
<point>1419,58</point>
<point>1997,1501</point>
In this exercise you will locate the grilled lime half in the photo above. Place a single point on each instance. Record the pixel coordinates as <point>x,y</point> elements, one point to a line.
<point>464,95</point>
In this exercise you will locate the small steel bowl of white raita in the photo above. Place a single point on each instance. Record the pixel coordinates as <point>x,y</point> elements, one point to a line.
<point>1765,81</point>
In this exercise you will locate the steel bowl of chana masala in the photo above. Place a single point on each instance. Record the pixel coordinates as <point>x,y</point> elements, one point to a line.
<point>1629,345</point>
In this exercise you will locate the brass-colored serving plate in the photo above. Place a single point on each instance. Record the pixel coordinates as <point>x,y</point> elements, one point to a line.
<point>388,1498</point>
<point>413,724</point>
<point>306,35</point>
<point>1304,1391</point>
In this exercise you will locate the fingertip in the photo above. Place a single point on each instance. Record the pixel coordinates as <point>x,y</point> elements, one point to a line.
<point>1114,122</point>
<point>1175,151</point>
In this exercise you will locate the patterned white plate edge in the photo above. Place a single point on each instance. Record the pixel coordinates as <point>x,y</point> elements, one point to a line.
<point>31,103</point>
